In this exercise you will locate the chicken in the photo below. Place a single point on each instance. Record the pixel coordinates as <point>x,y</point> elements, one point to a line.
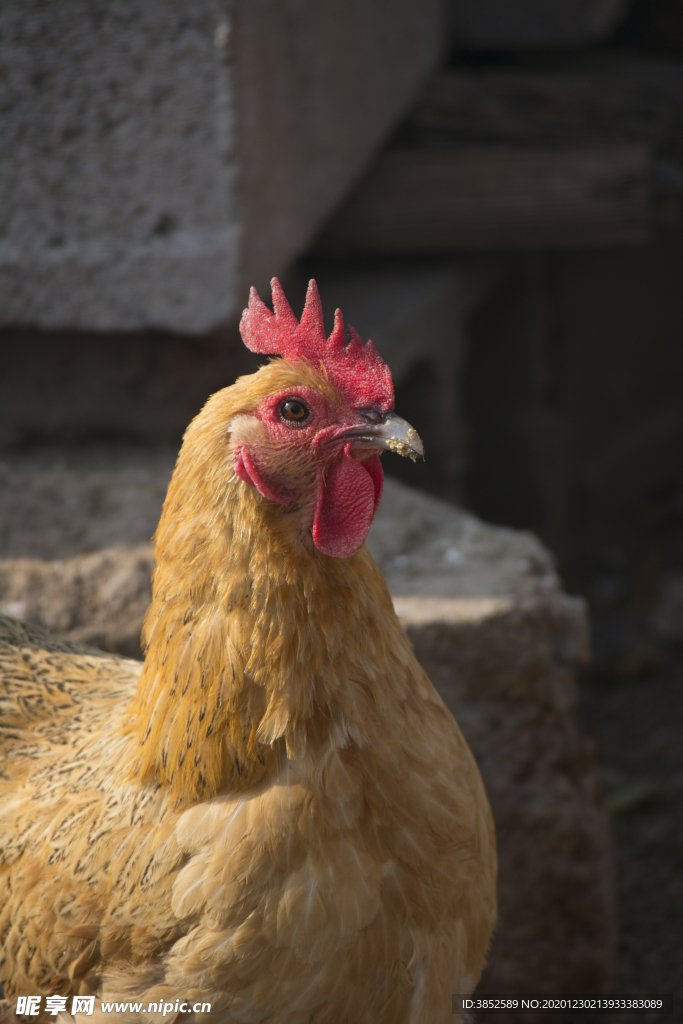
<point>277,815</point>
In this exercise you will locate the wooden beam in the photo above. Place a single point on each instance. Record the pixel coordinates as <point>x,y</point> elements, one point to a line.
<point>497,197</point>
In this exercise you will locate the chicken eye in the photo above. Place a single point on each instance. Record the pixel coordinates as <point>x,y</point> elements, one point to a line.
<point>293,410</point>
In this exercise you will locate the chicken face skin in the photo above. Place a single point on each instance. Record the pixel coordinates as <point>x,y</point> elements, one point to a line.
<point>325,461</point>
<point>323,449</point>
<point>281,455</point>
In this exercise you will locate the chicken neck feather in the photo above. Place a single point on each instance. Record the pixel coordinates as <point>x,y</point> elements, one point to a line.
<point>259,646</point>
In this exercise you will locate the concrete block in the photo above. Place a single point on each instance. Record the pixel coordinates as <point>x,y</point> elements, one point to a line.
<point>506,671</point>
<point>157,158</point>
<point>98,599</point>
<point>57,503</point>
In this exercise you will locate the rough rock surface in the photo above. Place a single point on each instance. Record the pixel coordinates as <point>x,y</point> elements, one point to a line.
<point>158,157</point>
<point>55,503</point>
<point>505,668</point>
<point>491,625</point>
<point>430,548</point>
<point>98,599</point>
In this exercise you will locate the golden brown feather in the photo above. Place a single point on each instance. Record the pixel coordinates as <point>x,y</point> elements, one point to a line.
<point>277,814</point>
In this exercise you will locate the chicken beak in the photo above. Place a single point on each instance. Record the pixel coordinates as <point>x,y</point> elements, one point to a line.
<point>390,432</point>
<point>397,435</point>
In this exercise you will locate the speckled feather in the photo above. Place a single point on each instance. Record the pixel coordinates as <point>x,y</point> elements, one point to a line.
<point>277,815</point>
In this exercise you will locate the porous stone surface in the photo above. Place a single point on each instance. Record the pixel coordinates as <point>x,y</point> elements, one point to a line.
<point>59,502</point>
<point>98,599</point>
<point>430,548</point>
<point>157,157</point>
<point>485,611</point>
<point>506,668</point>
<point>118,168</point>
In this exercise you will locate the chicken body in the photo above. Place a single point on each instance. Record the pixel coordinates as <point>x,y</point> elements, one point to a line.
<point>279,817</point>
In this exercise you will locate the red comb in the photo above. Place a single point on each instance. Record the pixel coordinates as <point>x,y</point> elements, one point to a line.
<point>357,370</point>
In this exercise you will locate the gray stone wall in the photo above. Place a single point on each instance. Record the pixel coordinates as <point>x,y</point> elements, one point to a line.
<point>158,158</point>
<point>118,174</point>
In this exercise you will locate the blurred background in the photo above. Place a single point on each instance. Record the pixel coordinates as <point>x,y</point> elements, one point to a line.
<point>491,191</point>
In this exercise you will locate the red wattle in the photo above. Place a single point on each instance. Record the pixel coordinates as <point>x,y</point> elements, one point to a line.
<point>374,468</point>
<point>345,504</point>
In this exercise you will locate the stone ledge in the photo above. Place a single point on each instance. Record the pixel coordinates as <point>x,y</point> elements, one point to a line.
<point>98,599</point>
<point>506,670</point>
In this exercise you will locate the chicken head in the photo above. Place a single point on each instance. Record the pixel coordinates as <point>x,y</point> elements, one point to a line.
<point>318,419</point>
